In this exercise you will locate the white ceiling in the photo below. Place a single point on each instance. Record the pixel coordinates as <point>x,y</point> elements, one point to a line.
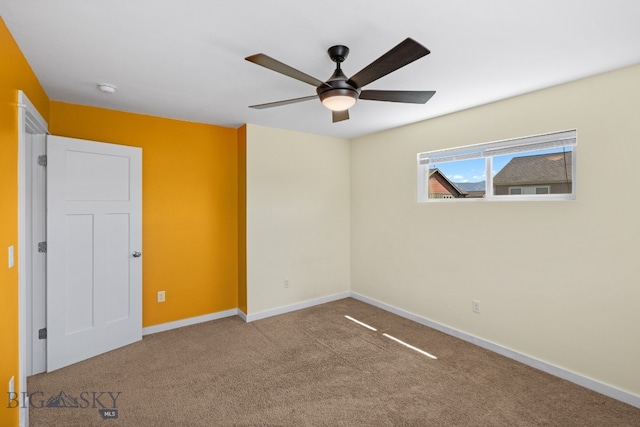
<point>185,59</point>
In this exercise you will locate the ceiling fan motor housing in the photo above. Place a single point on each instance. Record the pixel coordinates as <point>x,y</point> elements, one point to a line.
<point>337,85</point>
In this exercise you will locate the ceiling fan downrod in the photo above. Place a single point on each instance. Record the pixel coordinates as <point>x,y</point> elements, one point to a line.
<point>337,94</point>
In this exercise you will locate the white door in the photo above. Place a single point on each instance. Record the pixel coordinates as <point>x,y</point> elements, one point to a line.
<point>94,245</point>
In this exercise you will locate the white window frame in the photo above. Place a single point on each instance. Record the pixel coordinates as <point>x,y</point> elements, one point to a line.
<point>488,150</point>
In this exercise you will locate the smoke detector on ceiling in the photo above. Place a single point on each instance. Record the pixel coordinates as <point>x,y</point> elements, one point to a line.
<point>107,88</point>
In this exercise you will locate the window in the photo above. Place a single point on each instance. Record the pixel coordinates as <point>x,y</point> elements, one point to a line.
<point>540,167</point>
<point>532,189</point>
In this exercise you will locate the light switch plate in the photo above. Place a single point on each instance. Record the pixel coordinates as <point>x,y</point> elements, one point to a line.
<point>11,257</point>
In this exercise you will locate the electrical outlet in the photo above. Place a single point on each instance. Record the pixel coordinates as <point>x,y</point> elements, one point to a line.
<point>286,282</point>
<point>475,306</point>
<point>161,296</point>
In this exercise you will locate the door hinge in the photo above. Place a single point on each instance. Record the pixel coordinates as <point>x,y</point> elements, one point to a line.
<point>42,334</point>
<point>42,247</point>
<point>42,160</point>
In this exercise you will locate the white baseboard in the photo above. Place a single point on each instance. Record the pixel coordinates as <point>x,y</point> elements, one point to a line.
<point>246,317</point>
<point>190,321</point>
<point>549,368</point>
<point>295,307</point>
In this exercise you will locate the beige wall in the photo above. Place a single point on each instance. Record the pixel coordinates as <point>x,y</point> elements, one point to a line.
<point>558,281</point>
<point>297,217</point>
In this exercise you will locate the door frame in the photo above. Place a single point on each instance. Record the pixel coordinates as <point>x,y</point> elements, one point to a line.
<point>30,121</point>
<point>35,263</point>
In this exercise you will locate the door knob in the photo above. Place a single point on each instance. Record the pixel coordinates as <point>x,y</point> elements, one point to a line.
<point>137,254</point>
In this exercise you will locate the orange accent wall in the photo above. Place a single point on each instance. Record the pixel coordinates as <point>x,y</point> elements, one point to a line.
<point>189,206</point>
<point>15,74</point>
<point>242,219</point>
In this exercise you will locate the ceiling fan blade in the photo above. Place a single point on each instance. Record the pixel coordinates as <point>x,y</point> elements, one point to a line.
<point>405,53</point>
<point>339,116</point>
<point>285,102</point>
<point>279,67</point>
<point>408,96</point>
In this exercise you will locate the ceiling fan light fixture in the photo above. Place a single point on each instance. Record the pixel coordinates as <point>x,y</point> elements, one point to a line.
<point>339,99</point>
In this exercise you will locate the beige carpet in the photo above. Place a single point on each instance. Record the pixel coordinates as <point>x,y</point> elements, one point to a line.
<point>313,367</point>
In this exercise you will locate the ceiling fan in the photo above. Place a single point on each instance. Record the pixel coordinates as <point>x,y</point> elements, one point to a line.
<point>340,93</point>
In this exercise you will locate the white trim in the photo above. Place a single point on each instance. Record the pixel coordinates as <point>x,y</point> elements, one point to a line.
<point>246,317</point>
<point>581,380</point>
<point>35,264</point>
<point>34,120</point>
<point>188,322</point>
<point>507,146</point>
<point>297,306</point>
<point>29,121</point>
<point>23,417</point>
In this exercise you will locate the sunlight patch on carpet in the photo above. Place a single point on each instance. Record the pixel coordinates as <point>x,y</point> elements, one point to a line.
<point>361,323</point>
<point>410,346</point>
